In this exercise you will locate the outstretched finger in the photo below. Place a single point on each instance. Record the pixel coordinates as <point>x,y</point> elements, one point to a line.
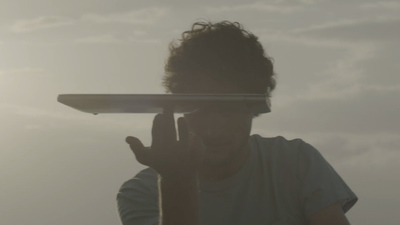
<point>169,126</point>
<point>141,153</point>
<point>183,133</point>
<point>157,132</point>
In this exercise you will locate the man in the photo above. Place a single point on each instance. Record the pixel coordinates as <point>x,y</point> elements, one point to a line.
<point>217,173</point>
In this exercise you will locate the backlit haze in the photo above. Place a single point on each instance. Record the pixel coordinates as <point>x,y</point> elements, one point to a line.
<point>338,89</point>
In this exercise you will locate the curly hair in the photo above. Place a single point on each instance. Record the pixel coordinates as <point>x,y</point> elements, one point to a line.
<point>221,51</point>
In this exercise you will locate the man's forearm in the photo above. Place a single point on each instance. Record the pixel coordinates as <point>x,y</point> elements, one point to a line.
<point>179,202</point>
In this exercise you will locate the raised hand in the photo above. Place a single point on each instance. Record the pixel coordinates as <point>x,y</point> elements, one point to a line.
<point>172,159</point>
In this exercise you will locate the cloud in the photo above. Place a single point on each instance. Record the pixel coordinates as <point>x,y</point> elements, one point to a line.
<point>32,112</point>
<point>42,125</point>
<point>358,92</point>
<point>10,77</point>
<point>292,2</point>
<point>382,70</point>
<point>34,127</point>
<point>369,50</point>
<point>137,37</point>
<point>107,38</point>
<point>24,70</point>
<point>342,78</point>
<point>294,36</point>
<point>310,2</point>
<point>337,74</point>
<point>381,5</point>
<point>139,33</point>
<point>353,147</point>
<point>258,6</point>
<point>379,29</point>
<point>144,41</point>
<point>369,111</point>
<point>278,6</point>
<point>42,22</point>
<point>72,116</point>
<point>146,16</point>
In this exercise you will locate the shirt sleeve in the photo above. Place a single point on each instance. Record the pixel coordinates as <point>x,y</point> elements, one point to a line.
<point>137,200</point>
<point>321,186</point>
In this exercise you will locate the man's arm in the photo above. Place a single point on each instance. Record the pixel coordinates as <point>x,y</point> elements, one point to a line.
<point>177,164</point>
<point>331,215</point>
<point>179,202</point>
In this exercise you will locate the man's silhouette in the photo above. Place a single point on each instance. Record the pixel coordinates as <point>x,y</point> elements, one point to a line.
<point>217,174</point>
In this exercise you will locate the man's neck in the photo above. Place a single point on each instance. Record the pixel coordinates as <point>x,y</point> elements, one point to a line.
<point>214,174</point>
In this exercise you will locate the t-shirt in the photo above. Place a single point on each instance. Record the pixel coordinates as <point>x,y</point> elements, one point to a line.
<point>282,182</point>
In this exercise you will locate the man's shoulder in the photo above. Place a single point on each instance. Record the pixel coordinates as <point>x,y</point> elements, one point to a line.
<point>278,149</point>
<point>142,186</point>
<point>144,178</point>
<point>279,144</point>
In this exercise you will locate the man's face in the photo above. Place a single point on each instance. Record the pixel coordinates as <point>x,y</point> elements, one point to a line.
<point>225,134</point>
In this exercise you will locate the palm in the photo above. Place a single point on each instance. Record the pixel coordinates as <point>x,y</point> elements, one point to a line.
<point>172,159</point>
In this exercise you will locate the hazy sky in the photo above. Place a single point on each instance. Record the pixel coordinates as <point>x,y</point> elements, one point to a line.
<point>338,89</point>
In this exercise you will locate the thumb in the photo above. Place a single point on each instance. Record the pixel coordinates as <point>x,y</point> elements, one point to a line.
<point>141,153</point>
